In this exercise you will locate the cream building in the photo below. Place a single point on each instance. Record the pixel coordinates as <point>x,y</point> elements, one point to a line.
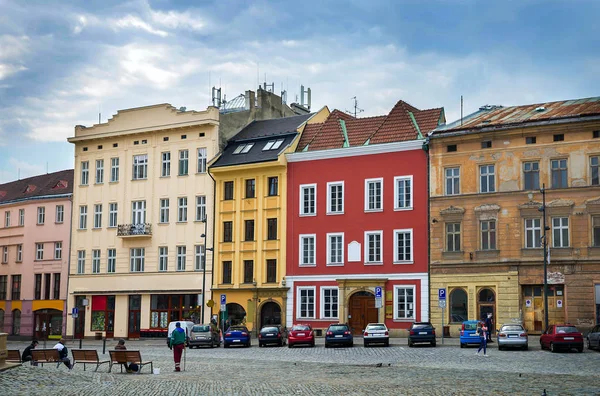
<point>141,193</point>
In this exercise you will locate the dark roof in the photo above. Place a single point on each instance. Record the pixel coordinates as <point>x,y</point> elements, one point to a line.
<point>277,126</point>
<point>256,153</point>
<point>57,183</point>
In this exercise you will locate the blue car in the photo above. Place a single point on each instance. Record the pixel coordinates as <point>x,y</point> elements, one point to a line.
<point>468,333</point>
<point>237,335</point>
<point>338,334</point>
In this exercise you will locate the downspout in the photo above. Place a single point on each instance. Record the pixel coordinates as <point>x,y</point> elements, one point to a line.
<point>426,149</point>
<point>69,270</point>
<point>212,269</point>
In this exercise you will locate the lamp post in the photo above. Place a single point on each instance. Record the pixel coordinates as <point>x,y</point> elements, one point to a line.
<point>545,241</point>
<point>206,249</point>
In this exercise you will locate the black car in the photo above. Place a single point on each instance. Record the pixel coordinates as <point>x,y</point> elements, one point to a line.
<point>272,334</point>
<point>338,334</point>
<point>421,332</point>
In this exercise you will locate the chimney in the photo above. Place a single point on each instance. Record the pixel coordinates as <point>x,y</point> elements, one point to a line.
<point>250,98</point>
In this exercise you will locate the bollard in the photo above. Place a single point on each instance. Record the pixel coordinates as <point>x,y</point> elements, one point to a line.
<point>104,346</point>
<point>80,340</point>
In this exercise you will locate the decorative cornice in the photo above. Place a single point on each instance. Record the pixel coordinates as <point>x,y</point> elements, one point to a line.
<point>452,210</point>
<point>593,201</point>
<point>530,205</point>
<point>487,208</point>
<point>560,203</point>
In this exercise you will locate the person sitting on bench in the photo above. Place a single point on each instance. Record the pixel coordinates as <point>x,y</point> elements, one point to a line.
<point>130,367</point>
<point>63,353</point>
<point>27,357</point>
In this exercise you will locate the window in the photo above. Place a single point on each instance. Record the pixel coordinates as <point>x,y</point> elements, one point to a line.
<point>112,214</point>
<point>533,233</point>
<point>136,259</point>
<point>488,235</point>
<point>140,167</point>
<point>243,148</point>
<point>530,140</point>
<point>560,232</point>
<point>98,216</point>
<point>404,298</point>
<point>200,208</point>
<point>60,214</point>
<point>559,137</point>
<point>458,306</point>
<point>163,258</point>
<point>114,170</point>
<point>250,188</point>
<point>138,212</point>
<point>271,271</point>
<point>3,286</point>
<point>335,197</point>
<point>329,302</point>
<point>273,144</point>
<point>486,144</point>
<point>57,250</point>
<point>37,288</point>
<point>248,271</point>
<point>228,190</point>
<point>595,134</point>
<point>39,251</point>
<point>181,250</point>
<point>273,186</point>
<point>83,217</point>
<point>373,246</point>
<point>374,194</point>
<point>335,249</point>
<point>56,286</point>
<point>95,261</point>
<point>41,215</point>
<point>306,303</point>
<point>21,217</point>
<point>165,169</point>
<point>249,230</point>
<point>164,210</point>
<point>16,287</point>
<point>453,237</point>
<point>272,229</point>
<point>227,231</point>
<point>596,231</point>
<point>595,176</point>
<point>452,181</point>
<point>7,219</point>
<point>403,246</point>
<point>403,192</point>
<point>559,173</point>
<point>200,257</point>
<point>202,160</point>
<point>487,178</point>
<point>19,253</point>
<point>99,171</point>
<point>182,209</point>
<point>4,254</point>
<point>85,173</point>
<point>183,162</point>
<point>226,272</point>
<point>451,148</point>
<point>111,261</point>
<point>531,175</point>
<point>308,200</point>
<point>307,250</point>
<point>81,261</point>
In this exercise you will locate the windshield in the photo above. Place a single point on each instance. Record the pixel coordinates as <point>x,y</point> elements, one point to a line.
<point>470,326</point>
<point>420,326</point>
<point>200,329</point>
<point>376,327</point>
<point>237,328</point>
<point>269,330</point>
<point>338,328</point>
<point>512,328</point>
<point>300,328</point>
<point>566,329</point>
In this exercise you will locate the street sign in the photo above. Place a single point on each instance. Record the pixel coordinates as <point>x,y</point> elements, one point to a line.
<point>442,303</point>
<point>378,292</point>
<point>74,311</point>
<point>442,294</point>
<point>378,302</point>
<point>75,315</point>
<point>223,299</point>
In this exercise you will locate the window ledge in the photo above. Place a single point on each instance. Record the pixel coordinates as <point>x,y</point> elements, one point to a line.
<point>532,252</point>
<point>403,209</point>
<point>453,255</point>
<point>374,263</point>
<point>113,182</point>
<point>139,179</point>
<point>308,214</point>
<point>561,252</point>
<point>403,262</point>
<point>335,264</point>
<point>594,250</point>
<point>373,210</point>
<point>334,213</point>
<point>307,265</point>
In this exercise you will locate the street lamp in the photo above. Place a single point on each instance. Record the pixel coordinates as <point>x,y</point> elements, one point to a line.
<point>545,241</point>
<point>206,249</point>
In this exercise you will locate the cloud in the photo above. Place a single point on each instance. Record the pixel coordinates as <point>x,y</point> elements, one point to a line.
<point>177,20</point>
<point>133,21</point>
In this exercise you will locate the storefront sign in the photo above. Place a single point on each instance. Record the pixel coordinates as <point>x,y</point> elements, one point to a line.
<point>555,278</point>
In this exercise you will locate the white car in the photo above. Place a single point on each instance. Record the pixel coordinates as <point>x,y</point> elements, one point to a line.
<point>376,333</point>
<point>185,325</point>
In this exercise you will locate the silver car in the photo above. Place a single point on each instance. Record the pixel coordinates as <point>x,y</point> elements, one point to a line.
<point>593,338</point>
<point>512,335</point>
<point>376,333</point>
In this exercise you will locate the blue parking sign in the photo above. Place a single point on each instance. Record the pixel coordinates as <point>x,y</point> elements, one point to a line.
<point>442,294</point>
<point>378,292</point>
<point>223,299</point>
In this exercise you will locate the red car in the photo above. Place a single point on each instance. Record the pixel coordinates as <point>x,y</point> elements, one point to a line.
<point>301,334</point>
<point>562,336</point>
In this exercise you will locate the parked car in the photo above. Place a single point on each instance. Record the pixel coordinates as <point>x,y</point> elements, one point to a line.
<point>376,333</point>
<point>185,325</point>
<point>593,338</point>
<point>204,335</point>
<point>562,336</point>
<point>468,333</point>
<point>419,332</point>
<point>338,334</point>
<point>237,335</point>
<point>301,334</point>
<point>272,335</point>
<point>512,335</point>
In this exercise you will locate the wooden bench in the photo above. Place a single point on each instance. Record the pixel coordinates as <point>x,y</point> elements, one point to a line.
<point>42,356</point>
<point>14,356</point>
<point>123,357</point>
<point>87,356</point>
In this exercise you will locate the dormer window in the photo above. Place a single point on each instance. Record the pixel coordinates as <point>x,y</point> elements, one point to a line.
<point>273,144</point>
<point>61,184</point>
<point>30,188</point>
<point>243,148</point>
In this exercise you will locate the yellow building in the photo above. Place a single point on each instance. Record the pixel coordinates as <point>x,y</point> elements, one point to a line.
<point>250,220</point>
<point>487,215</point>
<point>140,200</point>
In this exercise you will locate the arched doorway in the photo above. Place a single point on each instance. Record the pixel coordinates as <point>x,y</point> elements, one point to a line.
<point>362,311</point>
<point>486,304</point>
<point>47,323</point>
<point>16,322</point>
<point>270,313</point>
<point>236,314</point>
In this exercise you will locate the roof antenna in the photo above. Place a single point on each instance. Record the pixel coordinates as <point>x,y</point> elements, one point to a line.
<point>99,116</point>
<point>19,174</point>
<point>356,108</point>
<point>46,167</point>
<point>461,109</point>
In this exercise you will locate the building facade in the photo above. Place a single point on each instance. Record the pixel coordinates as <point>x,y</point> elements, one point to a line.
<point>34,254</point>
<point>357,221</point>
<point>487,214</point>
<point>139,256</point>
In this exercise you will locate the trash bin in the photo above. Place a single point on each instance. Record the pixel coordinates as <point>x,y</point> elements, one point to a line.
<point>446,331</point>
<point>98,336</point>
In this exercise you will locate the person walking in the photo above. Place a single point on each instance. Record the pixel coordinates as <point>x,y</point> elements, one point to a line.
<point>63,353</point>
<point>177,344</point>
<point>27,356</point>
<point>490,325</point>
<point>482,330</point>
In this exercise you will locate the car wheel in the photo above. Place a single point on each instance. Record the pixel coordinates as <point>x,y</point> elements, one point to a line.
<point>433,344</point>
<point>500,347</point>
<point>290,346</point>
<point>410,344</point>
<point>280,343</point>
<point>387,343</point>
<point>589,345</point>
<point>326,345</point>
<point>462,345</point>
<point>366,344</point>
<point>580,349</point>
<point>542,345</point>
<point>351,344</point>
<point>313,344</point>
<point>225,345</point>
<point>526,347</point>
<point>552,347</point>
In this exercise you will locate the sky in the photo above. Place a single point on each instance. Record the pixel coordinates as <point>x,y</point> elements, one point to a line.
<point>64,62</point>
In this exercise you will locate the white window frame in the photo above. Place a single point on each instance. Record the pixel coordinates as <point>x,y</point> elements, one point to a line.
<point>165,164</point>
<point>181,253</point>
<point>561,227</point>
<point>397,259</point>
<point>96,261</point>
<point>299,291</point>
<point>396,301</point>
<point>202,157</point>
<point>163,216</point>
<point>329,247</point>
<point>163,258</point>
<point>19,253</point>
<point>113,210</point>
<point>184,162</point>
<point>301,238</point>
<point>83,217</point>
<point>536,242</point>
<point>446,177</point>
<point>111,260</point>
<point>99,171</point>
<point>114,169</point>
<point>7,219</point>
<point>85,173</point>
<point>81,261</point>
<point>403,179</point>
<point>136,259</point>
<point>39,251</point>
<point>486,235</point>
<point>323,313</point>
<point>138,212</point>
<point>200,207</point>
<point>199,257</point>
<point>4,254</point>
<point>60,214</point>
<point>41,215</point>
<point>21,217</point>
<point>489,176</point>
<point>305,187</point>
<point>368,182</point>
<point>97,216</point>
<point>140,167</point>
<point>366,249</point>
<point>57,250</point>
<point>182,209</point>
<point>337,210</point>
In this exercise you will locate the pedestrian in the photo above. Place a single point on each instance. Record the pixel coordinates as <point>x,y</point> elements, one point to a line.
<point>27,356</point>
<point>489,323</point>
<point>63,353</point>
<point>482,330</point>
<point>177,344</point>
<point>129,367</point>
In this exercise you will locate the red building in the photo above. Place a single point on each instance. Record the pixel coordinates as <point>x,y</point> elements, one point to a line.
<point>357,220</point>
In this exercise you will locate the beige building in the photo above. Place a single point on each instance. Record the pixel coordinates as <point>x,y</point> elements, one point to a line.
<point>139,257</point>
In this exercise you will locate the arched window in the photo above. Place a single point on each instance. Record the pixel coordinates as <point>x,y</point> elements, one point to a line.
<point>16,324</point>
<point>486,295</point>
<point>459,307</point>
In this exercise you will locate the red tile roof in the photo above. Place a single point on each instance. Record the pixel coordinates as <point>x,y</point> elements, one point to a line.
<point>55,183</point>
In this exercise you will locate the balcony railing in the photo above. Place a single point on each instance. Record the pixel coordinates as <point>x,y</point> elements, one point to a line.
<point>134,230</point>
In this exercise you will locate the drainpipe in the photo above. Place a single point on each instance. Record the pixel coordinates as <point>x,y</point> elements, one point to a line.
<point>69,270</point>
<point>212,270</point>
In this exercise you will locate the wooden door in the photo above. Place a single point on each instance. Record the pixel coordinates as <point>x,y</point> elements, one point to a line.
<point>362,311</point>
<point>133,328</point>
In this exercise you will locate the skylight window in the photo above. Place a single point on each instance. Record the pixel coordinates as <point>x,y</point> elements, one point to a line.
<point>277,144</point>
<point>243,148</point>
<point>247,148</point>
<point>269,145</point>
<point>273,144</point>
<point>239,148</point>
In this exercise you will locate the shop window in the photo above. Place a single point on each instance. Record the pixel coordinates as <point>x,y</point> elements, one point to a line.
<point>459,306</point>
<point>16,325</point>
<point>103,313</point>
